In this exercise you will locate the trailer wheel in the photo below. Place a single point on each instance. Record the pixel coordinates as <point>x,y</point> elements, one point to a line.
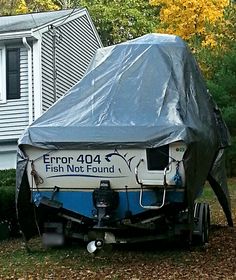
<point>201,224</point>
<point>206,223</point>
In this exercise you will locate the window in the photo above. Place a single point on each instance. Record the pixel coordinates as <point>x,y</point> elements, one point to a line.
<point>13,73</point>
<point>9,73</point>
<point>158,158</point>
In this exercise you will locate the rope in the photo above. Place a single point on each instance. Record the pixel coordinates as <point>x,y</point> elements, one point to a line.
<point>177,178</point>
<point>37,178</point>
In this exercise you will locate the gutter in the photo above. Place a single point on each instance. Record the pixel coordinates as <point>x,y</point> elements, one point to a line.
<point>30,90</point>
<point>15,35</point>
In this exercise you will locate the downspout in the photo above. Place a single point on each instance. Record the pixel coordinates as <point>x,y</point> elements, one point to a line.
<point>54,37</point>
<point>30,77</point>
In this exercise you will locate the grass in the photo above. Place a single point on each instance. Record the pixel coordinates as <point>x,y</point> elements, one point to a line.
<point>74,262</point>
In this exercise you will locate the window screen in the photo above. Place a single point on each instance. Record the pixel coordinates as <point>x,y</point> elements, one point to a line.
<point>158,158</point>
<point>13,73</point>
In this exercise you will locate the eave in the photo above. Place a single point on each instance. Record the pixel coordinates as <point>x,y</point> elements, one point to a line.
<point>17,35</point>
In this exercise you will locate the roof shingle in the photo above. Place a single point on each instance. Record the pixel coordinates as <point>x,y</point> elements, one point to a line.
<point>26,22</point>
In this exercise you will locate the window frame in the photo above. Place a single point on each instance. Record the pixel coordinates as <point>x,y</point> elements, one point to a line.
<point>4,72</point>
<point>3,91</point>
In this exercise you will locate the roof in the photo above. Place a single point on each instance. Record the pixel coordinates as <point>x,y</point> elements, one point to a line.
<point>26,22</point>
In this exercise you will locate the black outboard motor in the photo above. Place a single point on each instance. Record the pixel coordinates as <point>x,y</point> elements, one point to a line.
<point>105,201</point>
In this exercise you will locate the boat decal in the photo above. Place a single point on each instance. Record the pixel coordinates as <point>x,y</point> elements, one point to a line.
<point>83,175</point>
<point>116,153</point>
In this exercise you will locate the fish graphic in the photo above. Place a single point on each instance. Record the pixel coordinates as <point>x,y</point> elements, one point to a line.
<point>116,153</point>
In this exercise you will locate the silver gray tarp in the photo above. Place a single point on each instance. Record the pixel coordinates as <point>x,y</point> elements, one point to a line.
<point>146,92</point>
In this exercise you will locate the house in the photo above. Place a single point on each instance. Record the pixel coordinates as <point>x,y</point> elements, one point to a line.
<point>42,55</point>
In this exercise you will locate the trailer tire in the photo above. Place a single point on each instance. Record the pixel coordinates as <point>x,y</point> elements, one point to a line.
<point>201,224</point>
<point>206,223</point>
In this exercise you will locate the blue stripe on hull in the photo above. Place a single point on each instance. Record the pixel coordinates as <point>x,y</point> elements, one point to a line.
<point>82,202</point>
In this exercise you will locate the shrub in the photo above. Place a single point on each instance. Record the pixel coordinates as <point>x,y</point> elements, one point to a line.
<point>231,158</point>
<point>8,178</point>
<point>7,199</point>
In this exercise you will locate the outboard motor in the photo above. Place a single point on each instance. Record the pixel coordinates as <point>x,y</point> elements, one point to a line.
<point>105,201</point>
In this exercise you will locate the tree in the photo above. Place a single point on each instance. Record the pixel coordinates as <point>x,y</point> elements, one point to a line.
<point>195,19</point>
<point>121,20</point>
<point>27,6</point>
<point>7,7</point>
<point>65,4</point>
<point>222,84</point>
<point>219,66</point>
<point>13,7</point>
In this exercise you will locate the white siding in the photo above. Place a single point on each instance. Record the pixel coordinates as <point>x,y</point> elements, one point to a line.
<point>47,70</point>
<point>14,114</point>
<point>8,155</point>
<point>76,44</point>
